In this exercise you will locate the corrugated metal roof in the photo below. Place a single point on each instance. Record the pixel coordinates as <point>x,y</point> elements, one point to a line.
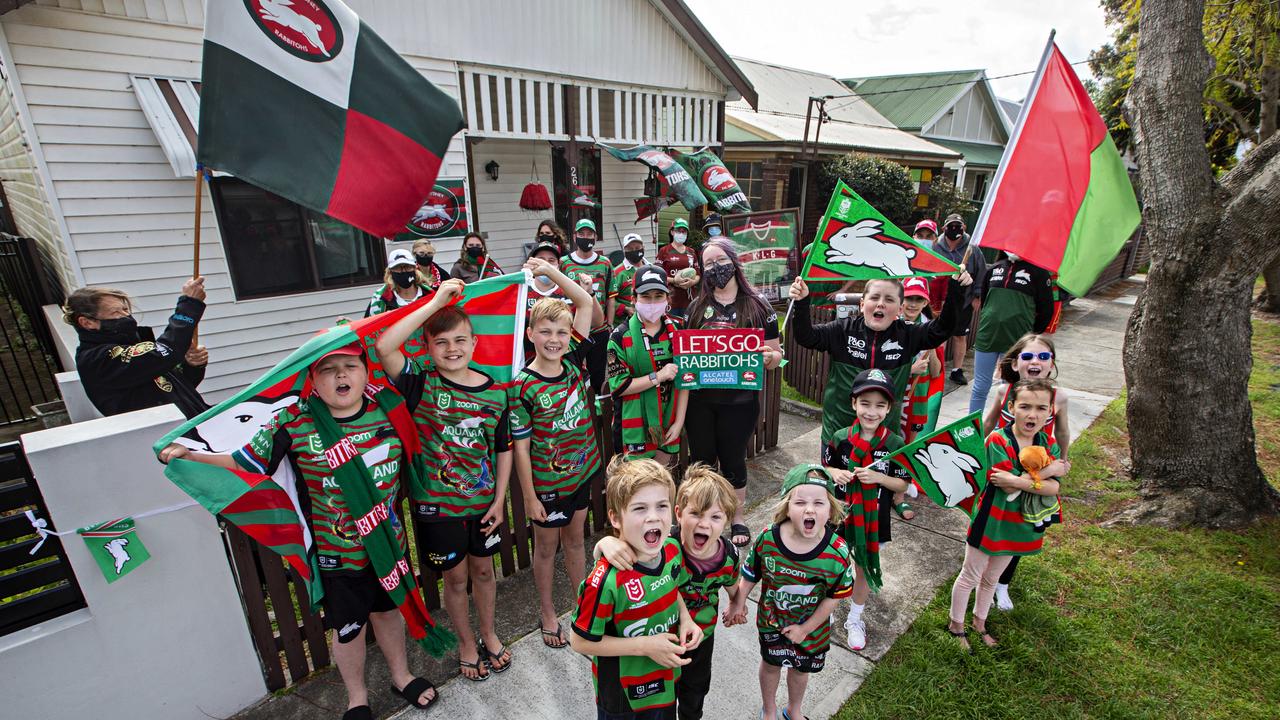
<point>975,154</point>
<point>910,101</point>
<point>842,136</point>
<point>787,90</point>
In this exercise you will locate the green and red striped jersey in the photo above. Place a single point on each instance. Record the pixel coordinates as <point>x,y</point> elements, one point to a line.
<point>622,288</point>
<point>792,584</point>
<point>998,527</point>
<point>701,592</point>
<point>630,604</point>
<point>555,414</point>
<point>462,429</point>
<point>600,270</point>
<point>292,434</point>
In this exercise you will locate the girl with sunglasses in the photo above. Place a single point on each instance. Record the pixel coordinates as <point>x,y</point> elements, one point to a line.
<point>1017,298</point>
<point>1031,357</point>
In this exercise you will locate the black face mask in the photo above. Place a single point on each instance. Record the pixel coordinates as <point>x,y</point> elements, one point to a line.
<point>584,244</point>
<point>403,279</point>
<point>955,232</point>
<point>720,275</point>
<point>547,238</point>
<point>424,260</point>
<point>125,326</point>
<point>475,252</point>
<point>634,256</point>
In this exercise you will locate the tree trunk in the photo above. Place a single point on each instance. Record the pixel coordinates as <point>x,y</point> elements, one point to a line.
<point>1187,353</point>
<point>1269,300</point>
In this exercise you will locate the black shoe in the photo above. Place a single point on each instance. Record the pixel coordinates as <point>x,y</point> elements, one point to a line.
<point>957,377</point>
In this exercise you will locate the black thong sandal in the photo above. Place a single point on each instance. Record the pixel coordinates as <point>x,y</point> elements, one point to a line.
<point>558,634</point>
<point>492,656</point>
<point>478,665</point>
<point>414,690</point>
<point>962,635</point>
<point>739,530</point>
<point>359,712</point>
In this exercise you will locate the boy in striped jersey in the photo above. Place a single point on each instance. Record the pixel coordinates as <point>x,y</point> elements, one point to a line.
<point>555,442</point>
<point>463,418</point>
<point>625,617</point>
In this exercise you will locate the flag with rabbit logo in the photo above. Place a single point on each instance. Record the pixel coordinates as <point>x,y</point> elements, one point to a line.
<point>950,464</point>
<point>301,98</point>
<point>115,546</point>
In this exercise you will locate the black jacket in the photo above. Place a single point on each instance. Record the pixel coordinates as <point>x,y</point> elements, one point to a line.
<point>122,373</point>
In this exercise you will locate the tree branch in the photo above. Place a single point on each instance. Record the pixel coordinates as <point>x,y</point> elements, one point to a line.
<point>1252,164</point>
<point>1253,212</point>
<point>1243,126</point>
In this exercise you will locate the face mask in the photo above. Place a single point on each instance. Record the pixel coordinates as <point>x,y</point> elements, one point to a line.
<point>634,256</point>
<point>720,275</point>
<point>955,232</point>
<point>584,244</point>
<point>126,325</point>
<point>650,311</point>
<point>403,279</point>
<point>546,238</point>
<point>475,252</point>
<point>424,260</point>
<point>678,237</point>
<point>713,231</point>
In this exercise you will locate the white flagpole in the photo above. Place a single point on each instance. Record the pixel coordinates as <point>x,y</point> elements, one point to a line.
<point>976,239</point>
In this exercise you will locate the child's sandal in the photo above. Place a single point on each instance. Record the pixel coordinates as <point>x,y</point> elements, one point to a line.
<point>987,638</point>
<point>492,658</point>
<point>478,666</point>
<point>962,635</point>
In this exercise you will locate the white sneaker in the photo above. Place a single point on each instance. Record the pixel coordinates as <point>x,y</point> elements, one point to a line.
<point>1003,601</point>
<point>857,630</point>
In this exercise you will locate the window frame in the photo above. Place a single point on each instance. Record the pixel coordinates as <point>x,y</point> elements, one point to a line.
<point>753,178</point>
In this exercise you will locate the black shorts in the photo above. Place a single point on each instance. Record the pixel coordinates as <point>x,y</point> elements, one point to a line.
<point>349,598</point>
<point>777,650</point>
<point>560,507</point>
<point>445,543</point>
<point>965,322</point>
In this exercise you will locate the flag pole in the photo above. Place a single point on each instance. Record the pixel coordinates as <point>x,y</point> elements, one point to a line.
<point>195,250</point>
<point>980,226</point>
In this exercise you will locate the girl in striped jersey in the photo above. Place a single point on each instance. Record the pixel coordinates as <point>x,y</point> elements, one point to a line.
<point>999,532</point>
<point>1032,356</point>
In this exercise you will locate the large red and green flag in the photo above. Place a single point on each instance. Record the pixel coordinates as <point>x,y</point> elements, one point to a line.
<point>950,464</point>
<point>301,98</point>
<point>856,242</point>
<point>1061,198</point>
<point>267,508</point>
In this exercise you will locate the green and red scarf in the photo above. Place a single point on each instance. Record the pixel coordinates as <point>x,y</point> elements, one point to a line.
<point>861,528</point>
<point>646,415</point>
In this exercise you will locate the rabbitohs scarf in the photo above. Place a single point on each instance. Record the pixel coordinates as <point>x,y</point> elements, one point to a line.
<point>642,413</point>
<point>861,527</point>
<point>374,522</point>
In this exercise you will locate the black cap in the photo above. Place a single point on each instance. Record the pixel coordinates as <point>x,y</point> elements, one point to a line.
<point>873,379</point>
<point>712,219</point>
<point>545,246</point>
<point>651,277</point>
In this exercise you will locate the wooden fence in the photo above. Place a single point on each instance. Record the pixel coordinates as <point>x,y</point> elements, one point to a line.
<point>290,639</point>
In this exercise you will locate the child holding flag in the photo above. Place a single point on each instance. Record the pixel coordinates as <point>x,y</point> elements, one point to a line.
<point>625,617</point>
<point>857,462</point>
<point>555,442</point>
<point>351,443</point>
<point>998,532</point>
<point>462,416</point>
<point>805,570</point>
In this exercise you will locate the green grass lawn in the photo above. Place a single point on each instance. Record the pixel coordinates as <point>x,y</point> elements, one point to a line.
<point>1113,623</point>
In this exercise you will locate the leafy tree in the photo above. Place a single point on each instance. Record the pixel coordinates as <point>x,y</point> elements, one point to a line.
<point>883,183</point>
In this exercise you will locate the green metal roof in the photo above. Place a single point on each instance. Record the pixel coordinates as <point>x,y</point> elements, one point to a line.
<point>910,101</point>
<point>975,154</point>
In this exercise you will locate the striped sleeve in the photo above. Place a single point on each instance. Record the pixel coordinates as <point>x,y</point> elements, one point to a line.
<point>843,586</point>
<point>595,603</point>
<point>264,451</point>
<point>521,413</point>
<point>998,454</point>
<point>751,566</point>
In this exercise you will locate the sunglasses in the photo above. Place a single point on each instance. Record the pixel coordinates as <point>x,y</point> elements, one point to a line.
<point>1045,356</point>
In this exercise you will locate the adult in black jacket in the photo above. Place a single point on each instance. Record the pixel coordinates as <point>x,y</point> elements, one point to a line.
<point>120,369</point>
<point>876,338</point>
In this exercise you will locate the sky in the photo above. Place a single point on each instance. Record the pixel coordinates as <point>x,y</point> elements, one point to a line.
<point>855,38</point>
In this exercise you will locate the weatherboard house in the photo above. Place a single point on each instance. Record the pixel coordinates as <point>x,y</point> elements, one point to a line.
<point>98,124</point>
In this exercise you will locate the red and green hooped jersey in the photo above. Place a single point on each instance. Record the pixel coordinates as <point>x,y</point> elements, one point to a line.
<point>600,270</point>
<point>792,585</point>
<point>701,592</point>
<point>292,434</point>
<point>1006,412</point>
<point>462,429</point>
<point>630,357</point>
<point>555,414</point>
<point>622,287</point>
<point>998,527</point>
<point>535,294</point>
<point>630,604</point>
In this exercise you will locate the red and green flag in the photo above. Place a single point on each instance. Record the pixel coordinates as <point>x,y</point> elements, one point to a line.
<point>1061,198</point>
<point>267,507</point>
<point>856,242</point>
<point>301,98</point>
<point>950,464</point>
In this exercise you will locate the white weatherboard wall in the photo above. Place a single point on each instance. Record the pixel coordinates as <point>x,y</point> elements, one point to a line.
<point>972,118</point>
<point>169,640</point>
<point>129,218</point>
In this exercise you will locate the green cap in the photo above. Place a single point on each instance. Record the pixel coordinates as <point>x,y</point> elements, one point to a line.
<point>802,475</point>
<point>585,224</point>
<point>680,223</point>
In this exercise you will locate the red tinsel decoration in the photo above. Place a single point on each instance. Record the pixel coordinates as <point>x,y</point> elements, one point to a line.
<point>535,197</point>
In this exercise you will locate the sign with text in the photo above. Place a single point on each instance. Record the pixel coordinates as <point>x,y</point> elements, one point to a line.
<point>729,359</point>
<point>765,240</point>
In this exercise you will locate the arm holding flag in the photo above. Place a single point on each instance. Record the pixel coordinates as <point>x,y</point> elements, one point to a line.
<point>392,339</point>
<point>814,338</point>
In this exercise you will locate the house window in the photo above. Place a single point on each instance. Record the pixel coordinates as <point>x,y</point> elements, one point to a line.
<point>577,186</point>
<point>750,177</point>
<point>276,247</point>
<point>979,187</point>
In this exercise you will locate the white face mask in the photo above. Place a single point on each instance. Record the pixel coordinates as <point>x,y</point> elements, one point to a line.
<point>678,237</point>
<point>650,311</point>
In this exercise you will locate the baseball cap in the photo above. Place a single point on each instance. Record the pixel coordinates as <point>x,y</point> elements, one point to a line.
<point>953,217</point>
<point>873,379</point>
<point>915,286</point>
<point>808,474</point>
<point>712,219</point>
<point>352,349</point>
<point>585,224</point>
<point>651,277</point>
<point>680,223</point>
<point>400,256</point>
<point>928,225</point>
<point>545,246</point>
<point>630,238</point>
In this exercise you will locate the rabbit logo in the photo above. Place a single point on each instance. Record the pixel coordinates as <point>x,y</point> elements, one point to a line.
<point>866,244</point>
<point>438,214</point>
<point>306,29</point>
<point>716,178</point>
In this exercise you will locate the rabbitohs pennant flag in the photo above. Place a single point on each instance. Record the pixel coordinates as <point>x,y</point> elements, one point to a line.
<point>950,464</point>
<point>267,508</point>
<point>301,98</point>
<point>677,179</point>
<point>717,183</point>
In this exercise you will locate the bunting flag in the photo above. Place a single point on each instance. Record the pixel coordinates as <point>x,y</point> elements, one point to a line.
<point>301,98</point>
<point>856,242</point>
<point>115,546</point>
<point>1061,198</point>
<point>950,464</point>
<point>267,507</point>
